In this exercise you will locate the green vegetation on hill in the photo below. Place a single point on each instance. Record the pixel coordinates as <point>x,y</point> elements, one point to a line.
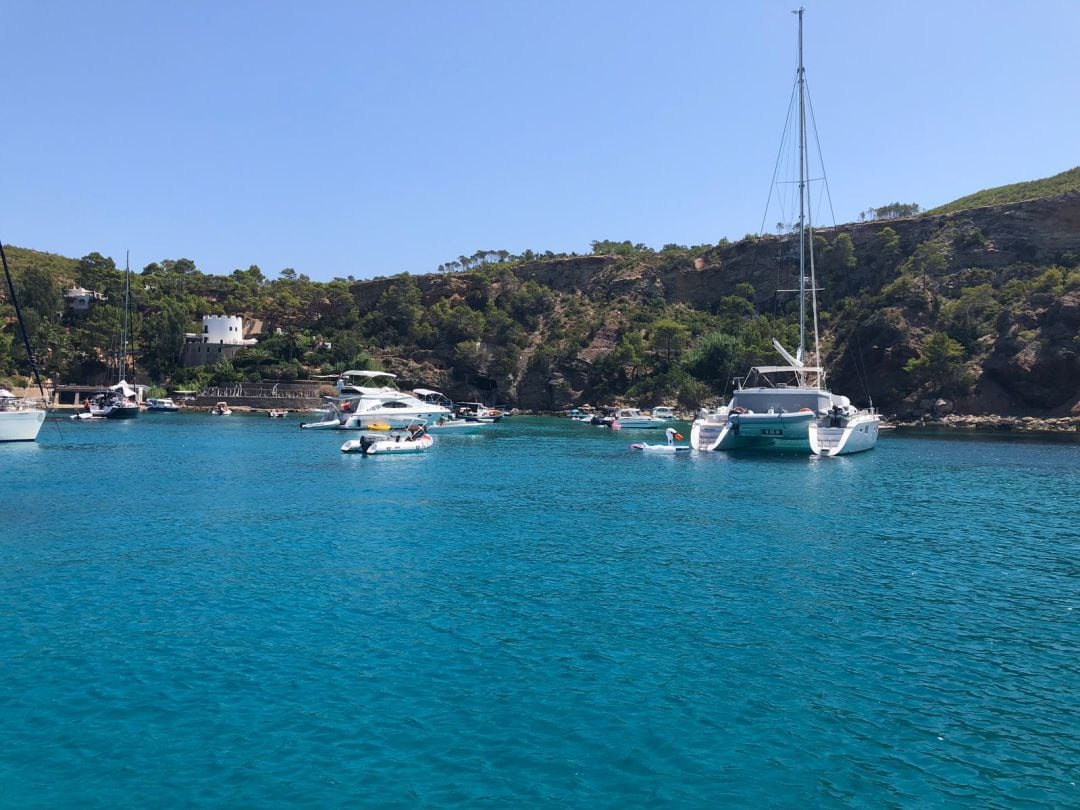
<point>968,308</point>
<point>1064,183</point>
<point>60,267</point>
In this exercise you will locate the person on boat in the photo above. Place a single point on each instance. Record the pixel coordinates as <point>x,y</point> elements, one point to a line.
<point>670,432</point>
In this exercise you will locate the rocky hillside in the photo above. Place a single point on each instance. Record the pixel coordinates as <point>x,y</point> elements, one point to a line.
<point>971,312</point>
<point>999,285</point>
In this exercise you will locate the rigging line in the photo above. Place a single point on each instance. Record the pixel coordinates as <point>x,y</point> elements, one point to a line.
<point>821,158</point>
<point>860,368</point>
<point>779,156</point>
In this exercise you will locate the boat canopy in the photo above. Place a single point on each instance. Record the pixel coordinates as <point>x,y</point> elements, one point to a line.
<point>367,373</point>
<point>123,388</point>
<point>788,369</point>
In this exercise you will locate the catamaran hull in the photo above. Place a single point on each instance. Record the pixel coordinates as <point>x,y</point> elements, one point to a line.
<point>20,426</point>
<point>782,431</point>
<point>858,435</point>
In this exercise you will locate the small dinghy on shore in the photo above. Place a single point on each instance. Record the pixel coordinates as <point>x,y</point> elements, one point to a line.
<point>668,449</point>
<point>413,439</point>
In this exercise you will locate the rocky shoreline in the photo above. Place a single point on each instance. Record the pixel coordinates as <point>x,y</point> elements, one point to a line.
<point>1028,425</point>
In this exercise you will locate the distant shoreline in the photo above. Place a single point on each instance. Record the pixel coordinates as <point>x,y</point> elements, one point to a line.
<point>1064,427</point>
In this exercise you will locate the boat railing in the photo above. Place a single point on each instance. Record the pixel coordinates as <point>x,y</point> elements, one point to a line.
<point>22,404</point>
<point>260,393</point>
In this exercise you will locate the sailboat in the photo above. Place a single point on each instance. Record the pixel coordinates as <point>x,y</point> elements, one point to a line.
<point>120,401</point>
<point>788,406</point>
<point>21,418</point>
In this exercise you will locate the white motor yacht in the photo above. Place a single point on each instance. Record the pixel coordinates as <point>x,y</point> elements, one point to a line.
<point>634,418</point>
<point>361,405</point>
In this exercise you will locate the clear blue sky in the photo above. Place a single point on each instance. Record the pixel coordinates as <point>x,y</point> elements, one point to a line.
<point>369,138</point>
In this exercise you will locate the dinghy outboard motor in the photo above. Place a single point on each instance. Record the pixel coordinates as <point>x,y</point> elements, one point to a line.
<point>365,443</point>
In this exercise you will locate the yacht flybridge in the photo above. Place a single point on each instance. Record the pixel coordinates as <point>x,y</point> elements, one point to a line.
<point>788,406</point>
<point>367,400</point>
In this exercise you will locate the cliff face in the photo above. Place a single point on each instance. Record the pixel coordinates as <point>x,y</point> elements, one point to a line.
<point>899,283</point>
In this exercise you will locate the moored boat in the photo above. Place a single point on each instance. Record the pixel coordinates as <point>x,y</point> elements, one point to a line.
<point>633,418</point>
<point>21,418</point>
<point>413,439</point>
<point>120,401</point>
<point>788,406</point>
<point>476,412</point>
<point>221,409</point>
<point>358,406</point>
<point>161,405</point>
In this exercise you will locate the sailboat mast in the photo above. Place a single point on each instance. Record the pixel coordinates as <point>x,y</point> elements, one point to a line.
<point>802,195</point>
<point>127,308</point>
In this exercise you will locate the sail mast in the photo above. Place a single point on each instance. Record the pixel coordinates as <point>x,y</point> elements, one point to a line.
<point>806,227</point>
<point>801,355</point>
<point>127,307</point>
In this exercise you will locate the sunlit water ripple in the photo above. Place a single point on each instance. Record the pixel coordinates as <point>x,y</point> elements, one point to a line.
<point>228,611</point>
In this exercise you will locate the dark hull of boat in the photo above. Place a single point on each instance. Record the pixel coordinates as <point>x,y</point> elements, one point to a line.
<point>126,412</point>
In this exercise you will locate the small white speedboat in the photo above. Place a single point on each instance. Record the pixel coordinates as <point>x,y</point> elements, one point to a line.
<point>634,418</point>
<point>669,449</point>
<point>161,405</point>
<point>413,440</point>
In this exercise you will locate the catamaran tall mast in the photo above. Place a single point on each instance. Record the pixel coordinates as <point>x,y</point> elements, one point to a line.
<point>801,80</point>
<point>806,227</point>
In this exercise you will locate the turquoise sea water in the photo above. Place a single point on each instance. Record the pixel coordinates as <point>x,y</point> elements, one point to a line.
<point>227,611</point>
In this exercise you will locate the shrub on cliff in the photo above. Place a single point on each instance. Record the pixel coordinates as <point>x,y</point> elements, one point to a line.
<point>940,366</point>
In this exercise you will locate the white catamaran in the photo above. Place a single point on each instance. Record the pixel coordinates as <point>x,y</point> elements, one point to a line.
<point>788,406</point>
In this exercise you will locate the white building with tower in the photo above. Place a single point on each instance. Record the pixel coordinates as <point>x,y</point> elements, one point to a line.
<point>222,337</point>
